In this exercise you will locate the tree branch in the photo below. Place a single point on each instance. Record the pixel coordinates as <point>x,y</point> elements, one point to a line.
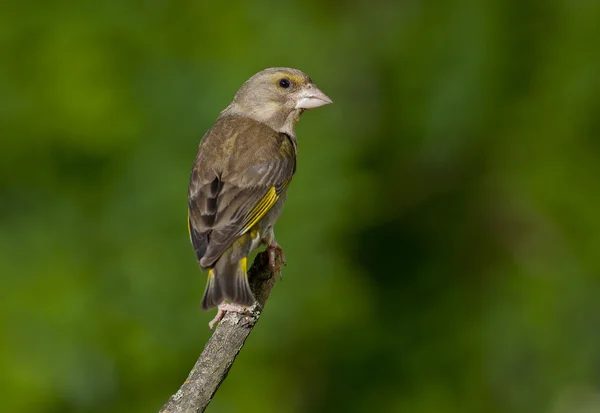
<point>223,347</point>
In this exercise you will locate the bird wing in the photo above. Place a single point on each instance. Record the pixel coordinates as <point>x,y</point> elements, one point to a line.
<point>241,170</point>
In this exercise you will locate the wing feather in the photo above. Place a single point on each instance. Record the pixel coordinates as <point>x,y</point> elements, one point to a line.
<point>241,170</point>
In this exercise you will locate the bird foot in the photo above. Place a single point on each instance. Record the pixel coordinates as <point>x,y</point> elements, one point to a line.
<point>276,258</point>
<point>223,308</point>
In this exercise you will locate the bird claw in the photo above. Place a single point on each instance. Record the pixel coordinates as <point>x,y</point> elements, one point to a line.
<point>276,258</point>
<point>223,308</point>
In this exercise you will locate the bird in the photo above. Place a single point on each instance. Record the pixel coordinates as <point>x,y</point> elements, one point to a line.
<point>239,180</point>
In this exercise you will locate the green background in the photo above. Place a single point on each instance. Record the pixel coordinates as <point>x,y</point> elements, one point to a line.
<point>442,232</point>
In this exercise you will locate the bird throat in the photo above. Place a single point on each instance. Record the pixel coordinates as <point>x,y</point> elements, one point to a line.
<point>278,118</point>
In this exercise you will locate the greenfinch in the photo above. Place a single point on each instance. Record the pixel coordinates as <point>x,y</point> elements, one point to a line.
<point>240,176</point>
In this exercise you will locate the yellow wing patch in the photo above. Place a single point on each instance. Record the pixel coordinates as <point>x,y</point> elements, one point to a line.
<point>260,209</point>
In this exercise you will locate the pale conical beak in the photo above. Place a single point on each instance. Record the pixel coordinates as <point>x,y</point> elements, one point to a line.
<point>311,97</point>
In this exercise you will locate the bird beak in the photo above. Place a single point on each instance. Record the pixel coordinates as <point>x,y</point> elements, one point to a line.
<point>311,97</point>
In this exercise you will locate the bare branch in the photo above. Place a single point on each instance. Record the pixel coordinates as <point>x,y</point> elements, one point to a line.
<point>222,348</point>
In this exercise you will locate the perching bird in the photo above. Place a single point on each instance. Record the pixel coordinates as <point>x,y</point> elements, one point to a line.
<point>240,176</point>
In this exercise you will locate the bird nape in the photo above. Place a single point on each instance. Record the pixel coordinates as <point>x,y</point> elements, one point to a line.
<point>240,177</point>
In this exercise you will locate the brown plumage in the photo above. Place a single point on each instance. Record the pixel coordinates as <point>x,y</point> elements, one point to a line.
<point>242,169</point>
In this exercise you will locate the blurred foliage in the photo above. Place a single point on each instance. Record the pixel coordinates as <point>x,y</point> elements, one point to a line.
<point>442,232</point>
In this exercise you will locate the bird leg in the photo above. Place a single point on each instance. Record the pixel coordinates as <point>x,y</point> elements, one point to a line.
<point>223,308</point>
<point>276,257</point>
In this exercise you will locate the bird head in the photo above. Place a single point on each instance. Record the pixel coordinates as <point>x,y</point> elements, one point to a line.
<point>277,97</point>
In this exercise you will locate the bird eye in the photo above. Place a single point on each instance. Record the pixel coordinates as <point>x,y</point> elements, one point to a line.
<point>284,83</point>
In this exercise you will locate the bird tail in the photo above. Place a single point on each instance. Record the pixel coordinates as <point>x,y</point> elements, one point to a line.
<point>228,279</point>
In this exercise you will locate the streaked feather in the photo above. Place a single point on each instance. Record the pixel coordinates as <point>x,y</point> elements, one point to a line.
<point>241,169</point>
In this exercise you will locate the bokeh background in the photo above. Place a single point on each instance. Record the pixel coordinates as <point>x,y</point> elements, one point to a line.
<point>442,232</point>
